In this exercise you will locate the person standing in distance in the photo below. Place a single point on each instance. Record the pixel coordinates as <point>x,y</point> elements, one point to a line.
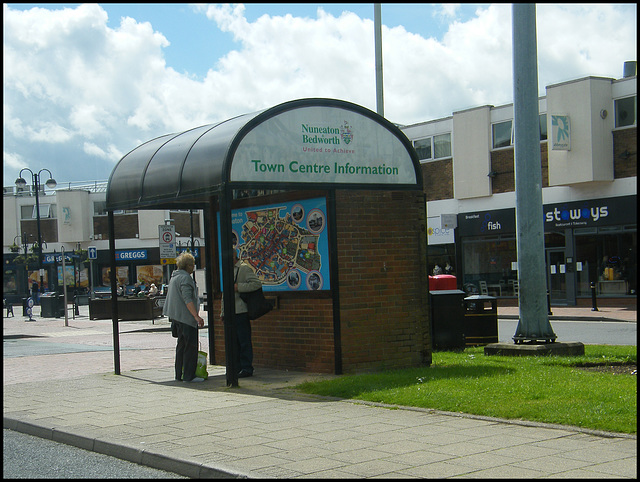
<point>181,307</point>
<point>244,280</point>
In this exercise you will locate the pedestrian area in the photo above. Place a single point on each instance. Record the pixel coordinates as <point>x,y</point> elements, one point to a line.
<point>264,429</point>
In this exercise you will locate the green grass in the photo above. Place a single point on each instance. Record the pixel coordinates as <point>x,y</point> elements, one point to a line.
<point>547,389</point>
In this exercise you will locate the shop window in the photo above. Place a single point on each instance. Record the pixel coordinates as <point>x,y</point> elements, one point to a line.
<point>607,259</point>
<point>490,261</point>
<point>626,111</point>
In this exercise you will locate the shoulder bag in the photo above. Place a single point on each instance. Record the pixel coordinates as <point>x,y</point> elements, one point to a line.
<point>257,304</point>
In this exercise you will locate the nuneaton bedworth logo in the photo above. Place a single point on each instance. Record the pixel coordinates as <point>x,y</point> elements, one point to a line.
<point>326,134</point>
<point>346,133</point>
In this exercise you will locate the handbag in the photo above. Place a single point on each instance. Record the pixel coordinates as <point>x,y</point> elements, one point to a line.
<point>257,304</point>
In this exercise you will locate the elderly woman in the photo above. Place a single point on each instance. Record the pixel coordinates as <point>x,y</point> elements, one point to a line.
<point>153,290</point>
<point>181,308</point>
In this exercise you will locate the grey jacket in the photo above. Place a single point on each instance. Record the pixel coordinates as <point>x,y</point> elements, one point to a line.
<point>182,289</point>
<point>247,281</point>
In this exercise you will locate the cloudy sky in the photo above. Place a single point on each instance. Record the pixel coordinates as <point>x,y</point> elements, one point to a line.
<point>86,83</point>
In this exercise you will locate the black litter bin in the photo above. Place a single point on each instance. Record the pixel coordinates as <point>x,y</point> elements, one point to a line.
<point>24,306</point>
<point>52,306</point>
<point>481,320</point>
<point>447,319</point>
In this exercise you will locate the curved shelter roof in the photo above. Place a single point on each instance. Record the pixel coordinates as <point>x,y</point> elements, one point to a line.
<point>312,143</point>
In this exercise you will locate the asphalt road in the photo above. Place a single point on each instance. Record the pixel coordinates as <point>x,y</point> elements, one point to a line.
<point>587,332</point>
<point>28,457</point>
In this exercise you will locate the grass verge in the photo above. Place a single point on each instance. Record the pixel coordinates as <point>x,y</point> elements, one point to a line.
<point>551,389</point>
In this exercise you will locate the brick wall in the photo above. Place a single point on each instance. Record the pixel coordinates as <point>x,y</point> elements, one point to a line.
<point>383,299</point>
<point>383,280</point>
<point>124,225</point>
<point>437,178</point>
<point>298,335</point>
<point>503,163</point>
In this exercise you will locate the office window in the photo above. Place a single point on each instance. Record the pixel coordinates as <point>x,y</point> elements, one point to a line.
<point>502,134</point>
<point>626,111</point>
<point>26,211</point>
<point>442,146</point>
<point>100,208</point>
<point>436,147</point>
<point>423,148</point>
<point>543,127</point>
<point>31,212</point>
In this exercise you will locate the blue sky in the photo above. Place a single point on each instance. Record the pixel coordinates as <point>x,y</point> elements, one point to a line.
<point>84,84</point>
<point>196,44</point>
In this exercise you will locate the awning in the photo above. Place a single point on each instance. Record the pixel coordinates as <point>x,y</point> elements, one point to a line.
<point>305,143</point>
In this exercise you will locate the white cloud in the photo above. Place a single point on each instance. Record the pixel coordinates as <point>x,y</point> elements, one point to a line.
<point>14,162</point>
<point>79,93</point>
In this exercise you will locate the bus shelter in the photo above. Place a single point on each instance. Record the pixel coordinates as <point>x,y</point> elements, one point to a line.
<point>324,199</point>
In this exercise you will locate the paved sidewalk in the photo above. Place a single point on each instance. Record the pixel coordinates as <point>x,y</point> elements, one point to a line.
<point>263,429</point>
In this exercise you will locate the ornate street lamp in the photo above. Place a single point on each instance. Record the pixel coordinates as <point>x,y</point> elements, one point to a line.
<point>35,182</point>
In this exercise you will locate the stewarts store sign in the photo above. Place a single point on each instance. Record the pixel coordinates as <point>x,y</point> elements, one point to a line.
<point>322,145</point>
<point>578,214</point>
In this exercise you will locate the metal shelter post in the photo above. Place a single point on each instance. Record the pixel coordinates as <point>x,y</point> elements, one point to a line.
<point>210,228</point>
<point>114,295</point>
<point>228,296</point>
<point>335,285</point>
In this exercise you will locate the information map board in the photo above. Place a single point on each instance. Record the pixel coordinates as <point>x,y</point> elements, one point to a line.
<point>285,243</point>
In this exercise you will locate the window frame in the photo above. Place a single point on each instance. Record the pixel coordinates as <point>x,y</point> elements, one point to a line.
<point>616,102</point>
<point>432,147</point>
<point>543,135</point>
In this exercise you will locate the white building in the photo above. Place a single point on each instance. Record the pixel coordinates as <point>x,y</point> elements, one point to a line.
<point>588,144</point>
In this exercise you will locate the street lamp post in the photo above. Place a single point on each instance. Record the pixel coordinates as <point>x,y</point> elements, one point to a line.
<point>35,182</point>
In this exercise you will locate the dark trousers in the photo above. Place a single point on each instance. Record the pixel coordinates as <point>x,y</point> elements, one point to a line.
<point>186,351</point>
<point>244,357</point>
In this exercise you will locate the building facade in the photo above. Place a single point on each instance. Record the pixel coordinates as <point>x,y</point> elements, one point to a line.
<point>588,147</point>
<point>73,217</point>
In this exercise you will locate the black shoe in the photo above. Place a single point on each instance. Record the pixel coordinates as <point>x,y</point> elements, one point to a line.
<point>244,373</point>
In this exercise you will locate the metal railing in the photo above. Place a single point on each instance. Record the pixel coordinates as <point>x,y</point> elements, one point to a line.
<point>91,186</point>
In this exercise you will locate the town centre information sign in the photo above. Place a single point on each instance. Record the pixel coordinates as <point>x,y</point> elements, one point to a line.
<point>322,145</point>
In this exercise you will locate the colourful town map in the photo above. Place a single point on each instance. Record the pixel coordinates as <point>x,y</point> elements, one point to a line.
<point>275,245</point>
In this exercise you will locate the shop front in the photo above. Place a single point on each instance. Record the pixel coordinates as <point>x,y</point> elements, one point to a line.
<point>592,241</point>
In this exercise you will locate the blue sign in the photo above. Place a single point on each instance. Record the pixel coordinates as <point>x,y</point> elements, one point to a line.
<point>56,258</point>
<point>131,255</point>
<point>92,252</point>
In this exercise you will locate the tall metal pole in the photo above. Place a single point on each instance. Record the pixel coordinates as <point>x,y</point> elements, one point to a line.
<point>533,324</point>
<point>64,288</point>
<point>35,182</point>
<point>377,20</point>
<point>40,270</point>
